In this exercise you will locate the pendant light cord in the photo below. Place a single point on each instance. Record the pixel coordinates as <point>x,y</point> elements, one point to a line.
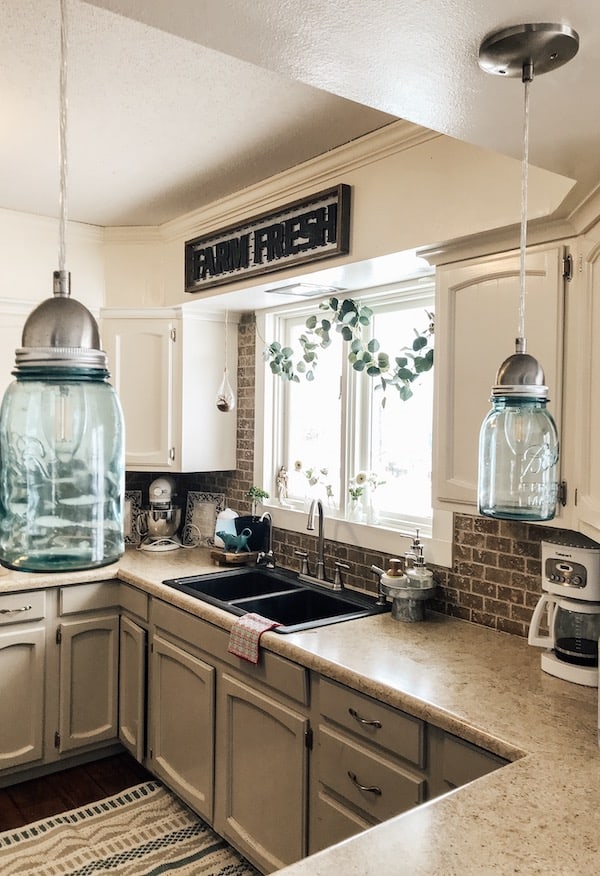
<point>62,152</point>
<point>527,80</point>
<point>226,337</point>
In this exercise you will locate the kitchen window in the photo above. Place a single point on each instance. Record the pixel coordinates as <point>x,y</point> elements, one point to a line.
<point>333,434</point>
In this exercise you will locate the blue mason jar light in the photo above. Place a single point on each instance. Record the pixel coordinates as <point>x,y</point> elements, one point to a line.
<point>61,446</point>
<point>518,445</point>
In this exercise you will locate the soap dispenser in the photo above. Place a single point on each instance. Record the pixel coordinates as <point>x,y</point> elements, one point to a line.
<point>418,574</point>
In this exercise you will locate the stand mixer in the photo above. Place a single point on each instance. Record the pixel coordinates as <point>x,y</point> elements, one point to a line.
<point>159,523</point>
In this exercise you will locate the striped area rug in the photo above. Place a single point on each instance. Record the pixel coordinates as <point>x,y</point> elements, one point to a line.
<point>144,831</point>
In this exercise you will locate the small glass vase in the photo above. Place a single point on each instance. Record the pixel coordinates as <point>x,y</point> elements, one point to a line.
<point>372,511</point>
<point>355,511</point>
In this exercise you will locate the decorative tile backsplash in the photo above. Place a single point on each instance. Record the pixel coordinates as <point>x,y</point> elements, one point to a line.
<point>495,579</point>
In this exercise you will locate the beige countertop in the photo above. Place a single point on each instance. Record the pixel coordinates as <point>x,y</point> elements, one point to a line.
<point>539,815</point>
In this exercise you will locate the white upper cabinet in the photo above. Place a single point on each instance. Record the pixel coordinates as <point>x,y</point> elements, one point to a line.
<point>167,367</point>
<point>477,308</point>
<point>584,386</point>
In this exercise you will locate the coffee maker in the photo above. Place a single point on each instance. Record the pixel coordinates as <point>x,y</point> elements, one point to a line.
<point>570,606</point>
<point>159,523</point>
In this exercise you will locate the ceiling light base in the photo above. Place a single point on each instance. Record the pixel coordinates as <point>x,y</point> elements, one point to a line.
<point>543,46</point>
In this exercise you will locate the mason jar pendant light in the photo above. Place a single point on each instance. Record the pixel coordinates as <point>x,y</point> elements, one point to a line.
<point>61,427</point>
<point>518,442</point>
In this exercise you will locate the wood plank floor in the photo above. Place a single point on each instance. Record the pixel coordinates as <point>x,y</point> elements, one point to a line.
<point>44,797</point>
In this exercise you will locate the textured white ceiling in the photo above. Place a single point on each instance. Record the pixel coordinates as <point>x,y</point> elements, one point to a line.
<point>174,104</point>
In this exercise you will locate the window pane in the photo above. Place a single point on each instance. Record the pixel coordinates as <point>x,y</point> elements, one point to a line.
<point>401,445</point>
<point>312,419</point>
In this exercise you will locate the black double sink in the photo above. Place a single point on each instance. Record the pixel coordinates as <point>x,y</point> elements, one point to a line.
<point>277,595</point>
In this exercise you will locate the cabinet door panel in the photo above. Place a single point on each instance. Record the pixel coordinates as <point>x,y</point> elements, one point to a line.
<point>182,723</point>
<point>262,776</point>
<point>584,384</point>
<point>477,321</point>
<point>140,355</point>
<point>89,658</point>
<point>132,687</point>
<point>22,661</point>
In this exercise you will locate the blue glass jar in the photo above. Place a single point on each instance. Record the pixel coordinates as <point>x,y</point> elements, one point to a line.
<point>518,458</point>
<point>61,463</point>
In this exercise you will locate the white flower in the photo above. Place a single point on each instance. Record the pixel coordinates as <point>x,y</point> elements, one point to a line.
<point>361,478</point>
<point>298,465</point>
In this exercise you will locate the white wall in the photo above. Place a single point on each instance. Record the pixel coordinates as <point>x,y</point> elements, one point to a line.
<point>410,188</point>
<point>28,256</point>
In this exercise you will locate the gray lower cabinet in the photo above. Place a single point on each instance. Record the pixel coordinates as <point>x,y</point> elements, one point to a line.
<point>369,764</point>
<point>132,687</point>
<point>61,647</point>
<point>89,654</point>
<point>22,669</point>
<point>88,639</point>
<point>373,761</point>
<point>262,774</point>
<point>181,722</point>
<point>224,729</point>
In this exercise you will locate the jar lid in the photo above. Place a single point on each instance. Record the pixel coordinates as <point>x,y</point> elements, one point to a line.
<point>59,357</point>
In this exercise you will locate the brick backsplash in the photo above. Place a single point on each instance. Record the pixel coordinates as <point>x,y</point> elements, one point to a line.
<point>495,579</point>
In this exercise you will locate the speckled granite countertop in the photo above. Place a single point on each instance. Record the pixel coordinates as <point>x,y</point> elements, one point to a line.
<point>539,815</point>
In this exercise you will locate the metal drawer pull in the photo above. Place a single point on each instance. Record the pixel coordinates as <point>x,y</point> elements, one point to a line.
<point>15,610</point>
<point>364,721</point>
<point>372,789</point>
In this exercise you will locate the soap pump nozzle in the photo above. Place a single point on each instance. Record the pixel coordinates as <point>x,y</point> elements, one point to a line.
<point>418,574</point>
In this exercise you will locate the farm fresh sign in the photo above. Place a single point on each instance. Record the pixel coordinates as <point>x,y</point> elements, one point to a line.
<point>315,228</point>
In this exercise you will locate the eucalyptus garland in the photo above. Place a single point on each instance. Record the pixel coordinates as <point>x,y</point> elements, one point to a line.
<point>350,319</point>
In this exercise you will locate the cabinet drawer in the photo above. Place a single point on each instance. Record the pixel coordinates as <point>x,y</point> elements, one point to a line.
<point>463,762</point>
<point>134,601</point>
<point>344,765</point>
<point>369,719</point>
<point>275,671</point>
<point>19,608</point>
<point>88,597</point>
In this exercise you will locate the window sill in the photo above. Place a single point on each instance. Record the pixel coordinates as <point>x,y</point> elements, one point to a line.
<point>438,546</point>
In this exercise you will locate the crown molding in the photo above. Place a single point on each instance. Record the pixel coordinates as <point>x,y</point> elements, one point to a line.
<point>316,174</point>
<point>497,240</point>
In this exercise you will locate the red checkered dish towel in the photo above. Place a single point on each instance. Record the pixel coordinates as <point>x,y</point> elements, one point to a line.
<point>245,635</point>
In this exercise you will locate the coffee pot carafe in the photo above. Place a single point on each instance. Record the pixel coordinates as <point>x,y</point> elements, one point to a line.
<point>572,637</point>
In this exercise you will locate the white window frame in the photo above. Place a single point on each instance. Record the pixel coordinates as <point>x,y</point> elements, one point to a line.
<point>268,394</point>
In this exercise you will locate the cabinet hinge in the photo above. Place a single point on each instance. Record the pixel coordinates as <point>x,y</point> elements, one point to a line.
<point>567,267</point>
<point>172,454</point>
<point>57,739</point>
<point>308,738</point>
<point>173,334</point>
<point>562,493</point>
<point>58,635</point>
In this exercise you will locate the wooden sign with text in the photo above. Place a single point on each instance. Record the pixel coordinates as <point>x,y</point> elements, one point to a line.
<point>314,228</point>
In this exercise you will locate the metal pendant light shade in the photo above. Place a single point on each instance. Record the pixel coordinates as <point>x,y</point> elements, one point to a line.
<point>518,443</point>
<point>61,321</point>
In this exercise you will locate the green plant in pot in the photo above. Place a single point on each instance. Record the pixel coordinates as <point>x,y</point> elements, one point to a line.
<point>256,496</point>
